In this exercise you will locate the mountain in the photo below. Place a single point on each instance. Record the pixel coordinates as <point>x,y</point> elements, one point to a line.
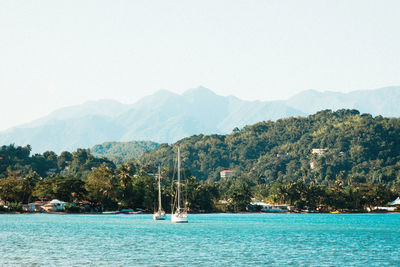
<point>105,108</point>
<point>165,117</point>
<point>68,134</point>
<point>383,101</point>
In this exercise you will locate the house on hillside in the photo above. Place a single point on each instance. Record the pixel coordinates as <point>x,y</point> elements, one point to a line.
<point>318,151</point>
<point>313,165</point>
<point>226,173</point>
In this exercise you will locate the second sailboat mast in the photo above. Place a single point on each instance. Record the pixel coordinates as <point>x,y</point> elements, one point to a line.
<point>159,188</point>
<point>179,180</point>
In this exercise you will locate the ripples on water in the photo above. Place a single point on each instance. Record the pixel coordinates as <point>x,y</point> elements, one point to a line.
<point>207,240</point>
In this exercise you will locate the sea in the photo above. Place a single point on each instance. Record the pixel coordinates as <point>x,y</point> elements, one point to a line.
<point>207,240</point>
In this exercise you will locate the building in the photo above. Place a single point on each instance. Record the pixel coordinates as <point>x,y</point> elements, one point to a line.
<point>313,165</point>
<point>318,151</point>
<point>395,202</point>
<point>36,206</point>
<point>226,173</point>
<point>54,205</point>
<point>389,209</point>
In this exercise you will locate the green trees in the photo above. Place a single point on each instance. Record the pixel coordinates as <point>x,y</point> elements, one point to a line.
<point>17,161</point>
<point>28,186</point>
<point>17,188</point>
<point>125,176</point>
<point>379,195</point>
<point>64,160</point>
<point>68,188</point>
<point>358,148</point>
<point>239,195</point>
<point>123,152</point>
<point>60,187</point>
<point>11,189</point>
<point>83,162</point>
<point>14,158</point>
<point>121,188</point>
<point>144,192</point>
<point>329,160</point>
<point>200,196</point>
<point>102,188</point>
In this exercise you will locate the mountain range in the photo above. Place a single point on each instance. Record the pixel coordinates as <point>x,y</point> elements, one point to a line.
<point>166,117</point>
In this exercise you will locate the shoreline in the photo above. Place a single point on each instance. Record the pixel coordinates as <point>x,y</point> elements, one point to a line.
<point>194,213</point>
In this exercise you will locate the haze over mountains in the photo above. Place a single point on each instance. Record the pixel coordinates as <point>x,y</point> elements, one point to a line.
<point>168,117</point>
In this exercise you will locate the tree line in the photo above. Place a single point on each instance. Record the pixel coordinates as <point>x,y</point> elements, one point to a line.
<point>357,165</point>
<point>358,148</point>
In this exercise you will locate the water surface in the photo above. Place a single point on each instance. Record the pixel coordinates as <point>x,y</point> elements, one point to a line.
<point>207,240</point>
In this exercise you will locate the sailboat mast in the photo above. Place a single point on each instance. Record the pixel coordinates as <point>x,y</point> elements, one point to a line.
<point>179,180</point>
<point>159,188</point>
<point>180,214</point>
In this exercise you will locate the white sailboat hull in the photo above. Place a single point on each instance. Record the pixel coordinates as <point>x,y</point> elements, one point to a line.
<point>160,214</point>
<point>179,218</point>
<point>179,215</point>
<point>158,217</point>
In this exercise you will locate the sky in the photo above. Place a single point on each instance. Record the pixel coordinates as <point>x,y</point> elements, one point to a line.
<point>60,53</point>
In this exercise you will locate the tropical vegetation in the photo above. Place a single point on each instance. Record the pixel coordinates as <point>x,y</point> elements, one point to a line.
<point>340,160</point>
<point>122,152</point>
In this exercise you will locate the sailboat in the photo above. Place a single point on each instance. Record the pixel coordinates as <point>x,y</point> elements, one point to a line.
<point>178,213</point>
<point>160,213</point>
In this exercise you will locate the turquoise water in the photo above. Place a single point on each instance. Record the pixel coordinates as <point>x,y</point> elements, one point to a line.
<point>207,240</point>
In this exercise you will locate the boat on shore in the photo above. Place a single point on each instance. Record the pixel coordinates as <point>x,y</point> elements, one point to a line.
<point>111,212</point>
<point>179,213</point>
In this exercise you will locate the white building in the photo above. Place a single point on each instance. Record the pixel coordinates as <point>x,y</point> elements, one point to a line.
<point>318,151</point>
<point>226,173</point>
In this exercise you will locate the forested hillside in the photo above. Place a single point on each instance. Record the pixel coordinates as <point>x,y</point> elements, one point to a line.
<point>353,147</point>
<point>121,152</point>
<point>327,161</point>
<point>18,162</point>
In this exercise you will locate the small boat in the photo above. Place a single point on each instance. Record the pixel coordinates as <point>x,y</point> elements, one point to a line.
<point>126,211</point>
<point>111,212</point>
<point>160,213</point>
<point>159,216</point>
<point>179,214</point>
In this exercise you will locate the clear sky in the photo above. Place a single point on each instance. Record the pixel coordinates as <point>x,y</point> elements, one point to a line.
<point>59,53</point>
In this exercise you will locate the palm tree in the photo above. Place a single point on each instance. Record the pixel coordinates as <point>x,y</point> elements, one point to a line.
<point>125,180</point>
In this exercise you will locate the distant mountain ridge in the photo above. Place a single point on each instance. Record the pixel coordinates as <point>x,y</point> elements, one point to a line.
<point>166,117</point>
<point>383,101</point>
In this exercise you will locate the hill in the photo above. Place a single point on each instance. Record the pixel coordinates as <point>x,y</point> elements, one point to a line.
<point>322,148</point>
<point>121,152</point>
<point>340,160</point>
